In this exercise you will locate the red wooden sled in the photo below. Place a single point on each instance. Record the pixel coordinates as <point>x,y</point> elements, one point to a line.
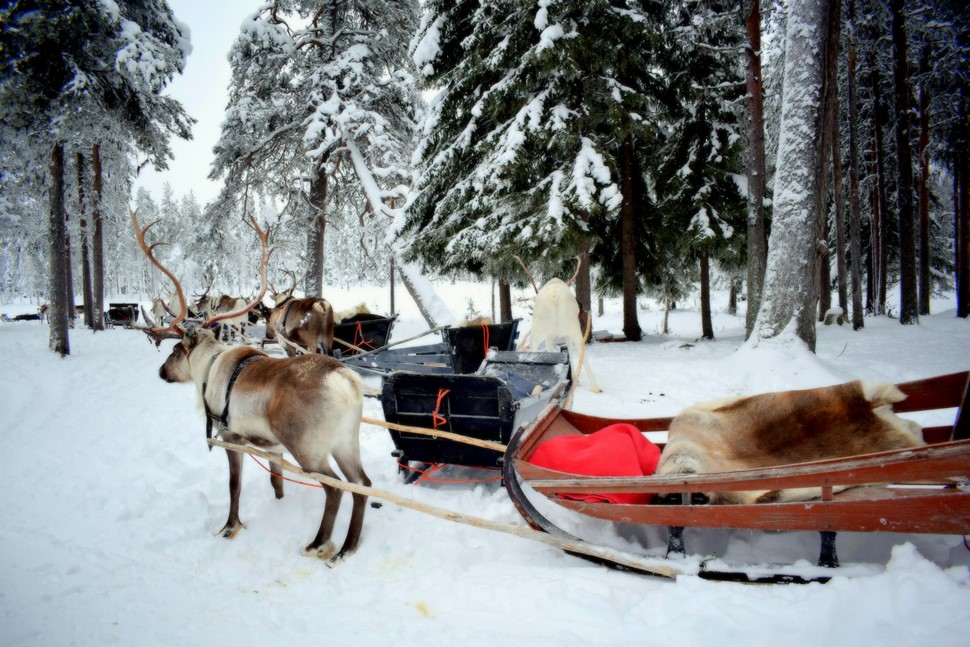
<point>923,490</point>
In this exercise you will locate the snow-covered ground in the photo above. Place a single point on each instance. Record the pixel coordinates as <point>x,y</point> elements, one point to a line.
<point>111,504</point>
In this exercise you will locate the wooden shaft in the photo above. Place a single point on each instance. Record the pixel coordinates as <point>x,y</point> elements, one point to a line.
<point>498,447</point>
<point>631,561</point>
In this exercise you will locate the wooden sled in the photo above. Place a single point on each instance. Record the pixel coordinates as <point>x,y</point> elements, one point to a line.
<point>922,490</point>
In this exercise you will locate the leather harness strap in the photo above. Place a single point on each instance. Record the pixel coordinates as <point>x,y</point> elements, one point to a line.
<point>286,314</point>
<point>223,419</point>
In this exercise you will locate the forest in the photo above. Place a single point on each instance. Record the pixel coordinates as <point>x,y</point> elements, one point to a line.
<point>809,155</point>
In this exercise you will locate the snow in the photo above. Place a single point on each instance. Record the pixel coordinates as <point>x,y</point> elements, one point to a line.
<point>112,504</point>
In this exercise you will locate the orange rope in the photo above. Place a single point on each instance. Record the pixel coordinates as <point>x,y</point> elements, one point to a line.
<point>360,340</point>
<point>437,419</point>
<point>285,478</point>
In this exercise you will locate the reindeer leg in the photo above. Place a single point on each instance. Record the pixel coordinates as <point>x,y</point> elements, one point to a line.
<point>276,477</point>
<point>321,546</point>
<point>233,524</point>
<point>354,472</point>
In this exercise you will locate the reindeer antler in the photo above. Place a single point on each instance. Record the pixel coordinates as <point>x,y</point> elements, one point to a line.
<point>267,251</point>
<point>527,273</point>
<point>173,330</point>
<point>579,264</point>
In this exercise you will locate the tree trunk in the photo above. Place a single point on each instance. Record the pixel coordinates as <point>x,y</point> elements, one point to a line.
<point>855,214</point>
<point>839,200</point>
<point>961,197</point>
<point>430,305</point>
<point>830,126</point>
<point>631,326</point>
<point>97,270</point>
<point>789,295</point>
<point>880,235</point>
<point>504,301</point>
<point>68,259</point>
<point>757,228</point>
<point>925,284</point>
<point>707,327</point>
<point>732,305</point>
<point>57,230</point>
<point>908,297</point>
<point>85,257</point>
<point>313,283</point>
<point>824,272</point>
<point>583,284</point>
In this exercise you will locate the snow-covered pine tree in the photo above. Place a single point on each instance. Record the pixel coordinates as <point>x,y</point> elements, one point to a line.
<point>321,110</point>
<point>68,68</point>
<point>519,148</point>
<point>697,189</point>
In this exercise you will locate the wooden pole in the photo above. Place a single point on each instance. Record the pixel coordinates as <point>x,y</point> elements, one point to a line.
<point>574,546</point>
<point>438,433</point>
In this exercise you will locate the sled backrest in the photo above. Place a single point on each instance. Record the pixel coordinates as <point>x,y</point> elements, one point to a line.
<point>941,392</point>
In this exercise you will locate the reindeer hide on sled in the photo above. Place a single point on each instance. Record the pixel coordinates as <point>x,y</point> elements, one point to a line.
<point>784,428</point>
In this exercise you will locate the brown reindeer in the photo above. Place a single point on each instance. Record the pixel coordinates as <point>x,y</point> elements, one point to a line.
<point>309,405</point>
<point>301,325</point>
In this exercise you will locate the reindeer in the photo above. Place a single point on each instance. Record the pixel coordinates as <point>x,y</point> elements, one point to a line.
<point>309,405</point>
<point>208,307</point>
<point>555,316</point>
<point>301,325</point>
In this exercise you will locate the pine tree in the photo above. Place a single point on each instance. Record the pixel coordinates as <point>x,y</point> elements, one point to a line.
<point>67,69</point>
<point>522,146</point>
<point>320,106</point>
<point>696,189</point>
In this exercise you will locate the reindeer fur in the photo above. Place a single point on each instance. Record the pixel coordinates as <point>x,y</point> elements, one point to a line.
<point>784,428</point>
<point>555,315</point>
<point>308,405</point>
<point>309,323</point>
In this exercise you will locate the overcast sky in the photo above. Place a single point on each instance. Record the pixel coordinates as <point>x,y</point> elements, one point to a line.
<point>202,89</point>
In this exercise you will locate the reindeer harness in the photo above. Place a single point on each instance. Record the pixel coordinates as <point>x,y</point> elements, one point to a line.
<point>223,419</point>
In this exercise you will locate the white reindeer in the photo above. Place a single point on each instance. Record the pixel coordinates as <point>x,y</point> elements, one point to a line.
<point>555,316</point>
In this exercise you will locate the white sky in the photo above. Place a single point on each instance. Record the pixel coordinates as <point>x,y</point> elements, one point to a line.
<point>203,91</point>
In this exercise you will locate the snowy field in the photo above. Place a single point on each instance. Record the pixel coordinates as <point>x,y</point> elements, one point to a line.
<point>112,504</point>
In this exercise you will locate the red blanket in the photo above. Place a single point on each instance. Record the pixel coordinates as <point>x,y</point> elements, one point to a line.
<point>617,450</point>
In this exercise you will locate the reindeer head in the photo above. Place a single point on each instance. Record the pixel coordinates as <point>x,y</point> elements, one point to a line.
<point>177,366</point>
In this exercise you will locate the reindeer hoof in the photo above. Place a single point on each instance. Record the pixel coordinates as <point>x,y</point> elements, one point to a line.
<point>322,552</point>
<point>596,389</point>
<point>229,532</point>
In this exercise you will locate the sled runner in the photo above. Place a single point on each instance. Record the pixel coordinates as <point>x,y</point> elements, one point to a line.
<point>914,490</point>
